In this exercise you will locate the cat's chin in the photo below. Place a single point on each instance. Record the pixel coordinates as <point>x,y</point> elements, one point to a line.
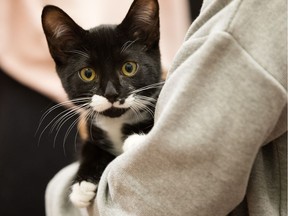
<point>114,112</point>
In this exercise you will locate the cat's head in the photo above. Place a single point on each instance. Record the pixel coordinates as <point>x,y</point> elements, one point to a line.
<point>107,68</point>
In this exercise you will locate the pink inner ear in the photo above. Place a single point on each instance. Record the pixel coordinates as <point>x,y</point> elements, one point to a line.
<point>147,13</point>
<point>57,27</point>
<point>56,22</point>
<point>142,22</point>
<point>51,20</point>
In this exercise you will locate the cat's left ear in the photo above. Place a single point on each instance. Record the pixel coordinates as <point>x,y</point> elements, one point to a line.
<point>62,33</point>
<point>142,22</point>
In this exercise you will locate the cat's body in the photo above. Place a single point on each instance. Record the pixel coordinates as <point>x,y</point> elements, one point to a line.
<point>117,130</point>
<point>112,74</point>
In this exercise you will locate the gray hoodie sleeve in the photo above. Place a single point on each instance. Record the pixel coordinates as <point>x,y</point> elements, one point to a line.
<point>222,100</point>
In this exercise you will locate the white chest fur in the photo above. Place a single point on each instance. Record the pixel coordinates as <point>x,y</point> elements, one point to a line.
<point>113,128</point>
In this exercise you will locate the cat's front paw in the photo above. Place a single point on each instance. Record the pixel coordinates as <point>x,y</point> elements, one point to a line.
<point>83,193</point>
<point>132,141</point>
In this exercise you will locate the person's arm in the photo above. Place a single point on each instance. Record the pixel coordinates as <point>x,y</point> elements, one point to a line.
<point>216,110</point>
<point>212,119</point>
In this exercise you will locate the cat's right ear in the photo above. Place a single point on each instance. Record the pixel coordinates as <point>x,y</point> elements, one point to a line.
<point>142,22</point>
<point>62,33</point>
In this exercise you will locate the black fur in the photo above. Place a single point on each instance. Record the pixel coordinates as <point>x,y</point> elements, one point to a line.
<point>105,49</point>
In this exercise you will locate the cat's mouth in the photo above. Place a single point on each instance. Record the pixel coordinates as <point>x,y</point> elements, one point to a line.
<point>114,112</point>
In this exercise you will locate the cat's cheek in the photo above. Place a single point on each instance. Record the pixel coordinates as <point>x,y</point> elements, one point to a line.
<point>82,194</point>
<point>132,141</point>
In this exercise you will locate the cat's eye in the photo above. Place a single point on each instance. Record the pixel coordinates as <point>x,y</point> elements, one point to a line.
<point>87,74</point>
<point>129,69</point>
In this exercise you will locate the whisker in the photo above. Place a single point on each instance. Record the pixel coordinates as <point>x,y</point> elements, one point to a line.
<point>93,116</point>
<point>155,85</point>
<point>60,119</point>
<point>79,52</point>
<point>147,100</point>
<point>65,103</point>
<point>73,111</point>
<point>139,108</point>
<point>144,103</point>
<point>127,45</point>
<point>47,126</point>
<point>65,118</point>
<point>58,122</point>
<point>147,110</point>
<point>68,132</point>
<point>48,112</point>
<point>81,100</point>
<point>136,112</point>
<point>85,117</point>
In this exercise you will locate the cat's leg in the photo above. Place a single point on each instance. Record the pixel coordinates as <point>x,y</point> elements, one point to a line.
<point>93,162</point>
<point>133,140</point>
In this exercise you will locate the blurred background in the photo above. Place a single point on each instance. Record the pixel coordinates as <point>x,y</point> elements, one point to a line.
<point>29,86</point>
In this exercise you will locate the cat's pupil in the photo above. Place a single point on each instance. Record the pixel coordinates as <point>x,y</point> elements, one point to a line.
<point>88,73</point>
<point>129,68</point>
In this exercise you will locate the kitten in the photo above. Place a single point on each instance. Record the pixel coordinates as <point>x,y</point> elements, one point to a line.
<point>113,74</point>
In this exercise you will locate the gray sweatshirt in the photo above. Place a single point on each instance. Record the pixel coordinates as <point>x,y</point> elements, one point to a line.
<point>219,144</point>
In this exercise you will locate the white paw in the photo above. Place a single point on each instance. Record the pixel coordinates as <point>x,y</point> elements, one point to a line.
<point>82,193</point>
<point>132,141</point>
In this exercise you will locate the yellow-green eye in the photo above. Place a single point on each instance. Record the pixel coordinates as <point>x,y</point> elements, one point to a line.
<point>87,74</point>
<point>129,69</point>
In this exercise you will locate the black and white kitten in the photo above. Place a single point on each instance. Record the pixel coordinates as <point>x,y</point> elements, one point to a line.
<point>113,73</point>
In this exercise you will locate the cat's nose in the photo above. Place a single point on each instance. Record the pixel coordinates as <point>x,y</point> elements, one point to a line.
<point>111,93</point>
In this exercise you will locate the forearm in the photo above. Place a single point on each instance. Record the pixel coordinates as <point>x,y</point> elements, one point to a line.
<point>211,120</point>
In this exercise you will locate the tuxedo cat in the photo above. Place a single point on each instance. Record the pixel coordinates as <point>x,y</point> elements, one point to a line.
<point>113,74</point>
